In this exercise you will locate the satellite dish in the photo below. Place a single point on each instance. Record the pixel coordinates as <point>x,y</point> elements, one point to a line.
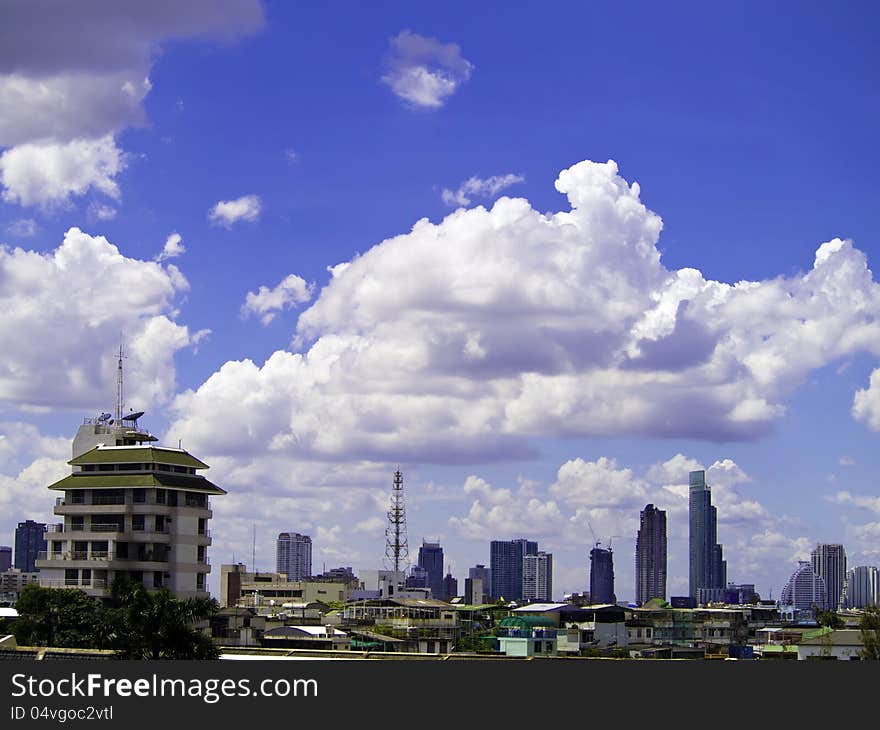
<point>104,417</point>
<point>133,416</point>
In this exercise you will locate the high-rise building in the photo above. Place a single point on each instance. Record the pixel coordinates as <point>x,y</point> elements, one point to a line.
<point>431,560</point>
<point>805,589</point>
<point>829,562</point>
<point>129,508</point>
<point>485,575</point>
<point>601,575</point>
<point>708,568</point>
<point>651,555</point>
<point>538,577</point>
<point>474,592</point>
<point>5,558</point>
<point>418,578</point>
<point>293,555</point>
<point>863,587</point>
<point>450,587</point>
<point>30,541</point>
<point>506,564</point>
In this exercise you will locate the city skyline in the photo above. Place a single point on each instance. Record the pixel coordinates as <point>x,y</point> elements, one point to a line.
<point>546,279</point>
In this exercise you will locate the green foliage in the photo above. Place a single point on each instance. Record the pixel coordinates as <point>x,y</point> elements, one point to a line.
<point>141,624</point>
<point>870,626</point>
<point>829,619</point>
<point>137,623</point>
<point>64,617</point>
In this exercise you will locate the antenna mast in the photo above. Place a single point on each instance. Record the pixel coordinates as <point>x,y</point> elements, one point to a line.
<point>119,398</point>
<point>396,548</point>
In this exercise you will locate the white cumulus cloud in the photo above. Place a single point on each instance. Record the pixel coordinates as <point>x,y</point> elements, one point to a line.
<point>477,187</point>
<point>48,173</point>
<point>173,247</point>
<point>866,403</point>
<point>74,76</point>
<point>467,338</point>
<point>64,311</point>
<point>227,212</point>
<point>424,72</point>
<point>265,303</point>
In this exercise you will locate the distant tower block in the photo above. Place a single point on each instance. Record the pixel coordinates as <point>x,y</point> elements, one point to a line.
<point>396,548</point>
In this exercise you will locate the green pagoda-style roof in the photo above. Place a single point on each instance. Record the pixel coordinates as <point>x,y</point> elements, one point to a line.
<point>115,480</point>
<point>138,454</point>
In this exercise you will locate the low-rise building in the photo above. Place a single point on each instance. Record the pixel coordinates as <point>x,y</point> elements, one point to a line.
<point>240,587</point>
<point>827,643</point>
<point>12,582</point>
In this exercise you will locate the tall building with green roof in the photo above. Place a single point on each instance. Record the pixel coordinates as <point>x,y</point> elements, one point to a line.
<point>129,508</point>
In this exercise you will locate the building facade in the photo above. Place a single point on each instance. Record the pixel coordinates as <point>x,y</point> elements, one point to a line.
<point>651,555</point>
<point>30,541</point>
<point>601,575</point>
<point>708,569</point>
<point>863,587</point>
<point>129,509</point>
<point>293,555</point>
<point>431,561</point>
<point>829,562</point>
<point>506,564</point>
<point>538,577</point>
<point>5,558</point>
<point>484,574</point>
<point>805,589</point>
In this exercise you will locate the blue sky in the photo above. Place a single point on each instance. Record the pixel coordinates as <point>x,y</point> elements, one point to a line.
<point>532,364</point>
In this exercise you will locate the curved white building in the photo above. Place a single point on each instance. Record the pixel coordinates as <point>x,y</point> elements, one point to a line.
<point>804,589</point>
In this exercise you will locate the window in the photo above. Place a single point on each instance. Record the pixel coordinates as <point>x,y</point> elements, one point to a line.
<point>172,499</point>
<point>200,581</point>
<point>160,523</point>
<point>139,496</point>
<point>137,522</point>
<point>106,467</point>
<point>160,496</point>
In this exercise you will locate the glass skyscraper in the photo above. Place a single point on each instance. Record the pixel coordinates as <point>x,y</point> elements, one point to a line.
<point>708,568</point>
<point>602,575</point>
<point>29,542</point>
<point>651,555</point>
<point>829,562</point>
<point>506,564</point>
<point>431,560</point>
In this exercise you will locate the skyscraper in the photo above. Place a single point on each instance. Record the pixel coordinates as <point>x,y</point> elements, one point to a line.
<point>484,574</point>
<point>431,560</point>
<point>651,555</point>
<point>829,562</point>
<point>5,558</point>
<point>863,587</point>
<point>30,540</point>
<point>804,589</point>
<point>601,575</point>
<point>450,587</point>
<point>538,577</point>
<point>293,555</point>
<point>707,566</point>
<point>506,563</point>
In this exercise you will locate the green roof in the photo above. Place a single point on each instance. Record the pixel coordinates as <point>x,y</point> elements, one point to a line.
<point>188,482</point>
<point>143,454</point>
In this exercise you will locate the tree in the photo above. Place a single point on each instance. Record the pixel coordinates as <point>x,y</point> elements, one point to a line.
<point>870,627</point>
<point>64,617</point>
<point>155,625</point>
<point>829,619</point>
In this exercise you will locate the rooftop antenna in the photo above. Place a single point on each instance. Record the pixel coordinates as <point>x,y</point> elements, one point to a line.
<point>396,547</point>
<point>254,550</point>
<point>119,392</point>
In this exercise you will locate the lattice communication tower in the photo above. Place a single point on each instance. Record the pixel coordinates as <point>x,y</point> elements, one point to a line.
<point>396,547</point>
